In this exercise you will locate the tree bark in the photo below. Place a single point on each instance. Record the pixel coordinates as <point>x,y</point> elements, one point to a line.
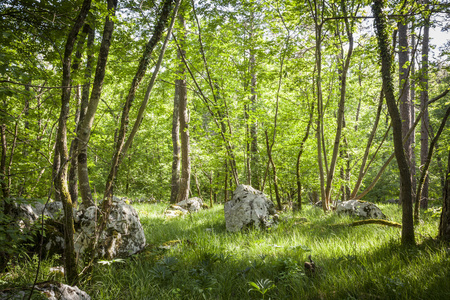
<point>84,131</point>
<point>424,106</point>
<point>183,193</point>
<point>424,173</point>
<point>142,68</point>
<point>363,169</point>
<point>444,224</point>
<point>404,89</point>
<point>342,70</point>
<point>388,87</point>
<point>175,181</point>
<point>70,265</point>
<point>299,155</point>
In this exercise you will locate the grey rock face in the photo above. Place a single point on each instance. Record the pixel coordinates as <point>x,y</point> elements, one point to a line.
<point>360,208</point>
<point>123,235</point>
<point>249,207</point>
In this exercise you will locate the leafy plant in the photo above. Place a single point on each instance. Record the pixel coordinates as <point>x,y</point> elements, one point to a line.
<point>262,286</point>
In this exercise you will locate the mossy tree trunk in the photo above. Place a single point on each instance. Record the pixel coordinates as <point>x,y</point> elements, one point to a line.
<point>388,87</point>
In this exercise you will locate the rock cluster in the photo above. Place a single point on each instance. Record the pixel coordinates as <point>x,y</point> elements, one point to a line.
<point>123,235</point>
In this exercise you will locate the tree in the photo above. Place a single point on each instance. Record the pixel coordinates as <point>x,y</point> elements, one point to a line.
<point>70,264</point>
<point>388,88</point>
<point>444,224</point>
<point>183,193</point>
<point>424,103</point>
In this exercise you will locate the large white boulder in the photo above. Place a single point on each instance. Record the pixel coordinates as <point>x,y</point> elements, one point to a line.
<point>360,208</point>
<point>123,235</point>
<point>249,207</point>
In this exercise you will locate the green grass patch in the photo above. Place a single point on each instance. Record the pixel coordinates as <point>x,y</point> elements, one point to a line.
<point>194,257</point>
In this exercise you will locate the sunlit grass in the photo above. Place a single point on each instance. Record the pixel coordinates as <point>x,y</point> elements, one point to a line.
<point>204,261</point>
<point>363,262</point>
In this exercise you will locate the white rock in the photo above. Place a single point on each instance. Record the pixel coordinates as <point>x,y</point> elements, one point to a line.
<point>51,291</point>
<point>123,235</point>
<point>248,207</point>
<point>360,208</point>
<point>192,204</point>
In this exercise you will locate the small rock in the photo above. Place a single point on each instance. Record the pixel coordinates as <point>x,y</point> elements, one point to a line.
<point>360,208</point>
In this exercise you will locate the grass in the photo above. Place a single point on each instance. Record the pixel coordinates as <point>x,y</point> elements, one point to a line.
<point>196,258</point>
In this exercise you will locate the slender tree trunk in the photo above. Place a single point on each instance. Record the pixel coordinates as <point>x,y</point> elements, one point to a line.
<point>404,88</point>
<point>444,224</point>
<point>175,181</point>
<point>183,193</point>
<point>274,169</point>
<point>76,158</point>
<point>225,196</point>
<point>70,265</point>
<point>363,169</point>
<point>388,87</point>
<point>254,157</point>
<point>342,70</point>
<point>142,68</point>
<point>317,13</point>
<point>424,106</point>
<point>300,152</point>
<point>424,173</point>
<point>84,131</point>
<point>73,166</point>
<point>3,174</point>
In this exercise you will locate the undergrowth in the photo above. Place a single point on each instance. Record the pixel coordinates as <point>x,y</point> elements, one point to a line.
<point>194,257</point>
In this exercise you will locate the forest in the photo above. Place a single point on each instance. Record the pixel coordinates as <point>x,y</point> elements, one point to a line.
<point>146,104</point>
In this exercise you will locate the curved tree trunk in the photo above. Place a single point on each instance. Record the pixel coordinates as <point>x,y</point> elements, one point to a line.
<point>84,132</point>
<point>388,87</point>
<point>61,186</point>
<point>142,68</point>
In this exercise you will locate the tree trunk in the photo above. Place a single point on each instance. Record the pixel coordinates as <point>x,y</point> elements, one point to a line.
<point>300,152</point>
<point>388,87</point>
<point>143,64</point>
<point>73,166</point>
<point>175,181</point>
<point>70,265</point>
<point>275,179</point>
<point>424,106</point>
<point>254,158</point>
<point>77,159</point>
<point>183,193</point>
<point>424,173</point>
<point>363,169</point>
<point>404,89</point>
<point>84,132</point>
<point>444,224</point>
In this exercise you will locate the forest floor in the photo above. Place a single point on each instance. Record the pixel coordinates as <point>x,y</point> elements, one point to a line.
<point>194,257</point>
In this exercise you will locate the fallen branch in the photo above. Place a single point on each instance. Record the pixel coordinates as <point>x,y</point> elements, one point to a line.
<point>376,221</point>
